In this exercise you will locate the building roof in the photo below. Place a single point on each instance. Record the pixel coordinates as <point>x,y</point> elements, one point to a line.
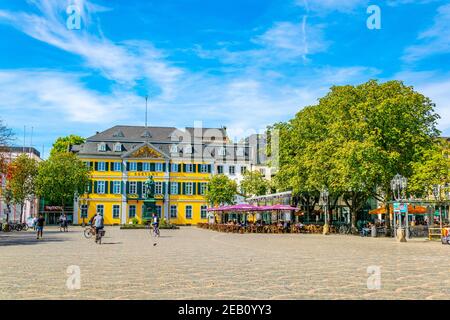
<point>32,150</point>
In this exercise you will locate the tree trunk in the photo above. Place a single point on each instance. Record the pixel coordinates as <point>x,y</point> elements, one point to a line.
<point>22,206</point>
<point>387,219</point>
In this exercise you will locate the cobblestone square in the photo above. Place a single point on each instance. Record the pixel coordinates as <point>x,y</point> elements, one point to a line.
<point>193,263</point>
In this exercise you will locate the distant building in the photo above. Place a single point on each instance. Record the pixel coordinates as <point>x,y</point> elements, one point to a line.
<point>31,206</point>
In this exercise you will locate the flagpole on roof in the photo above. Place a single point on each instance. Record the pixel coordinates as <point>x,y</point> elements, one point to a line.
<point>146,98</point>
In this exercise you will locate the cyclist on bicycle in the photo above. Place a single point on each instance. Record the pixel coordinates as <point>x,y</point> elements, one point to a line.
<point>98,224</point>
<point>155,223</point>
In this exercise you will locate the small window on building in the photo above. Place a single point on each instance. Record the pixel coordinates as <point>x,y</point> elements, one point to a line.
<point>203,168</point>
<point>173,211</point>
<point>174,167</point>
<point>146,166</point>
<point>174,188</point>
<point>189,188</point>
<point>188,212</point>
<point>101,187</point>
<point>133,166</point>
<point>243,170</point>
<point>132,211</point>
<point>132,187</point>
<point>174,148</point>
<point>221,151</point>
<point>231,170</point>
<point>203,212</point>
<point>187,149</point>
<point>118,147</point>
<point>101,146</point>
<point>219,169</point>
<point>116,211</point>
<point>101,166</point>
<point>189,167</point>
<point>158,167</point>
<point>116,187</point>
<point>100,209</point>
<point>117,166</point>
<point>84,211</point>
<point>203,186</point>
<point>158,187</point>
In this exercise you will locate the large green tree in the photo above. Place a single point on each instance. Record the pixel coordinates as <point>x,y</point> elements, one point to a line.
<point>221,190</point>
<point>354,141</point>
<point>254,184</point>
<point>21,176</point>
<point>62,143</point>
<point>61,177</point>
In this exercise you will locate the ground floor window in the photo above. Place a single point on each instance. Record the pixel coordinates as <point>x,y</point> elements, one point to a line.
<point>188,212</point>
<point>132,211</point>
<point>84,211</point>
<point>100,209</point>
<point>116,211</point>
<point>158,211</point>
<point>173,211</point>
<point>203,212</point>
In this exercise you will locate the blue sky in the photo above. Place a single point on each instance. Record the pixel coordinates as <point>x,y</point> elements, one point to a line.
<point>242,64</point>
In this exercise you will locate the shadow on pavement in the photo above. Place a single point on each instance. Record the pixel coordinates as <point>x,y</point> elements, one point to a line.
<point>27,238</point>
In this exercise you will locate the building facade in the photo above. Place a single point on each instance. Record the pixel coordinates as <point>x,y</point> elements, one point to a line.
<point>180,161</point>
<point>31,206</point>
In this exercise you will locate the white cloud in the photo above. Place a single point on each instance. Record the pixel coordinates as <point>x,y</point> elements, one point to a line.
<point>435,40</point>
<point>123,62</point>
<point>327,6</point>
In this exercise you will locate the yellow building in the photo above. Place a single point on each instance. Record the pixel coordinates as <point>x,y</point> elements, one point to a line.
<point>180,162</point>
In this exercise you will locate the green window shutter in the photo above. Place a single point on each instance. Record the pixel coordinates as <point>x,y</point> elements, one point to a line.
<point>128,167</point>
<point>168,188</point>
<point>106,187</point>
<point>107,166</point>
<point>152,166</point>
<point>95,186</point>
<point>194,189</point>
<point>89,187</point>
<point>127,187</point>
<point>209,168</point>
<point>164,187</point>
<point>111,186</point>
<point>139,166</point>
<point>164,167</point>
<point>180,186</point>
<point>95,165</point>
<point>139,189</point>
<point>169,169</point>
<point>196,167</point>
<point>121,187</point>
<point>184,167</point>
<point>184,188</point>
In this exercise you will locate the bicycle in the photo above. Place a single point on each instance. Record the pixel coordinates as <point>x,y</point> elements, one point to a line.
<point>89,232</point>
<point>155,231</point>
<point>99,234</point>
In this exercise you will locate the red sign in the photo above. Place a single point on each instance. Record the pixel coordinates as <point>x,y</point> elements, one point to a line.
<point>53,208</point>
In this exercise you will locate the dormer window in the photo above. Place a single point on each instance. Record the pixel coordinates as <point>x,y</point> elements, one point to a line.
<point>118,147</point>
<point>187,149</point>
<point>221,151</point>
<point>240,152</point>
<point>174,148</point>
<point>101,146</point>
<point>146,134</point>
<point>118,134</point>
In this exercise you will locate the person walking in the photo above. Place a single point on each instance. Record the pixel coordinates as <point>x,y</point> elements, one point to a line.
<point>40,226</point>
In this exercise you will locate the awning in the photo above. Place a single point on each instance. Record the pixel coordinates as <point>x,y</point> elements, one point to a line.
<point>412,209</point>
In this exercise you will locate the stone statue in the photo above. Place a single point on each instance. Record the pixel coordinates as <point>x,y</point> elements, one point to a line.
<point>149,187</point>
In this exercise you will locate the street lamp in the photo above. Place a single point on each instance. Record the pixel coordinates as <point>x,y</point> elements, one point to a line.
<point>324,194</point>
<point>398,186</point>
<point>437,198</point>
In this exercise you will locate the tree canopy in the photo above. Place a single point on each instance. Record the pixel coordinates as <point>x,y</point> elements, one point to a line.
<point>221,190</point>
<point>254,184</point>
<point>61,177</point>
<point>62,143</point>
<point>355,140</point>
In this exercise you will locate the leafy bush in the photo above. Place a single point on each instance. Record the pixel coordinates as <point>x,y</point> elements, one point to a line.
<point>135,221</point>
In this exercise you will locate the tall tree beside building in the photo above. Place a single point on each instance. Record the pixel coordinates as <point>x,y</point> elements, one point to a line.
<point>61,177</point>
<point>254,184</point>
<point>221,190</point>
<point>21,177</point>
<point>62,143</point>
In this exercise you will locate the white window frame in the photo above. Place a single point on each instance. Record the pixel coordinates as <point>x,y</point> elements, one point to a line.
<point>174,186</point>
<point>102,206</point>
<point>243,170</point>
<point>103,163</point>
<point>221,151</point>
<point>172,211</point>
<point>187,149</point>
<point>132,187</point>
<point>203,209</point>
<point>189,186</point>
<point>158,187</point>
<point>218,170</point>
<point>116,206</point>
<point>173,148</point>
<point>202,187</point>
<point>117,166</point>
<point>203,168</point>
<point>129,211</point>
<point>116,187</point>
<point>159,167</point>
<point>186,212</point>
<point>102,189</point>
<point>133,166</point>
<point>146,166</point>
<point>190,166</point>
<point>101,147</point>
<point>232,170</point>
<point>83,214</point>
<point>175,165</point>
<point>117,147</point>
